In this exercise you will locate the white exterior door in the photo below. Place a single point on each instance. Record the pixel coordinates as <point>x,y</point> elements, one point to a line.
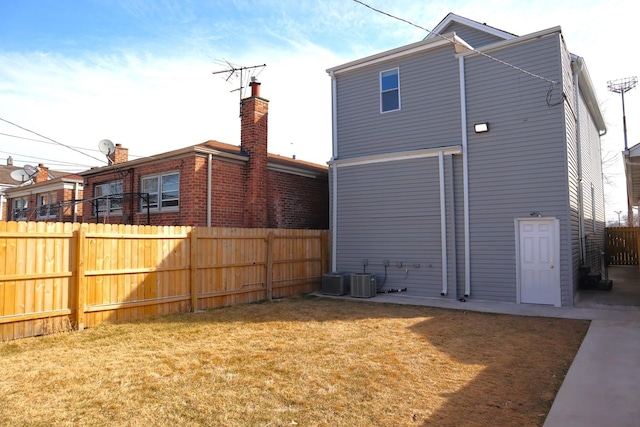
<point>538,244</point>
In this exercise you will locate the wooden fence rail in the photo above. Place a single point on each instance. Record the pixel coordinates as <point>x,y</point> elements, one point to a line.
<point>63,276</point>
<point>623,245</point>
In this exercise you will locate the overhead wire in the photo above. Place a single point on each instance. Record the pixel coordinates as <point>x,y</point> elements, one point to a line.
<point>515,67</point>
<point>52,140</point>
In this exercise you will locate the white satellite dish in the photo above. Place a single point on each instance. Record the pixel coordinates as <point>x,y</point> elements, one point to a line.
<point>30,170</point>
<point>20,175</point>
<point>106,147</point>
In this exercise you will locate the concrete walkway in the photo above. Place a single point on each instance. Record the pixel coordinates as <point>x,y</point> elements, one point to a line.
<point>602,386</point>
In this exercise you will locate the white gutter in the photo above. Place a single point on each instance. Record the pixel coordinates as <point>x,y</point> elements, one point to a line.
<point>443,224</point>
<point>465,175</point>
<point>334,171</point>
<point>400,155</point>
<point>209,175</point>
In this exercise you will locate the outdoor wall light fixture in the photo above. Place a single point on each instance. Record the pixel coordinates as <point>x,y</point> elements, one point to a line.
<point>534,213</point>
<point>481,127</point>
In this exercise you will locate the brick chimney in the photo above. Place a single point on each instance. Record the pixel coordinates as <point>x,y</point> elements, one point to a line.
<point>43,174</point>
<point>119,155</point>
<point>253,141</point>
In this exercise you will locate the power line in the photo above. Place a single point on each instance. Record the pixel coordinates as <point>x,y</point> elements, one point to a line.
<point>552,82</point>
<point>52,140</point>
<point>44,142</point>
<point>49,161</point>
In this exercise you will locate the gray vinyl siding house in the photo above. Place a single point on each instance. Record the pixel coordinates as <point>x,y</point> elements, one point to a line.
<point>427,204</point>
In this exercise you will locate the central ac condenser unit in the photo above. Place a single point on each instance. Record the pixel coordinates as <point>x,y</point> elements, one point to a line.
<point>363,285</point>
<point>335,284</point>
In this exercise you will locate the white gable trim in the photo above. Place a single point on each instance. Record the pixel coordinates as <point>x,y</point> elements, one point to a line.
<point>452,17</point>
<point>421,46</point>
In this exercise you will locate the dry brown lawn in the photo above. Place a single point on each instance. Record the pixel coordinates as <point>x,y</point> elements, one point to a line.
<point>307,362</point>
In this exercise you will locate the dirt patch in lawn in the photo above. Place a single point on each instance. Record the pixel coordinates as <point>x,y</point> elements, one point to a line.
<point>307,362</point>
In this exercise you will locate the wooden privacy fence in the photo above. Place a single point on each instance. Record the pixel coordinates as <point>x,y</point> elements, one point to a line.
<point>64,276</point>
<point>623,245</point>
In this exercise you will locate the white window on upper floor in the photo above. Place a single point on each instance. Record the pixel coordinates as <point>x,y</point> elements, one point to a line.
<point>390,90</point>
<point>108,198</point>
<point>163,191</point>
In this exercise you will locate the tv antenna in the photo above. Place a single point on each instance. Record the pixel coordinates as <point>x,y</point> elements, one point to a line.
<point>244,74</point>
<point>107,148</point>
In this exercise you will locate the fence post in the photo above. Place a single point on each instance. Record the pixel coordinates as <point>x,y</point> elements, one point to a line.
<point>270,266</point>
<point>80,285</point>
<point>194,268</point>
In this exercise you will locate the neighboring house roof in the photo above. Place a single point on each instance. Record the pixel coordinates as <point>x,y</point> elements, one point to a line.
<point>5,175</point>
<point>65,181</point>
<point>220,150</point>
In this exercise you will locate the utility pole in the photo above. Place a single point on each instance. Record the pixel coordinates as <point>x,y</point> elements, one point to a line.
<point>623,86</point>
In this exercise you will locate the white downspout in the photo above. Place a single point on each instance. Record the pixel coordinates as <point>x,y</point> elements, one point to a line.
<point>334,171</point>
<point>209,175</point>
<point>75,205</point>
<point>576,87</point>
<point>465,175</point>
<point>443,224</point>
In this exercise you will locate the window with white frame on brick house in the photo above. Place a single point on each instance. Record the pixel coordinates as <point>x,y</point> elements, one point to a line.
<point>47,207</point>
<point>108,198</point>
<point>163,191</point>
<point>19,211</point>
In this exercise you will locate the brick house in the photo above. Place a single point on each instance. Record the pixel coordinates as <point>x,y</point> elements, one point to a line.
<point>212,184</point>
<point>49,197</point>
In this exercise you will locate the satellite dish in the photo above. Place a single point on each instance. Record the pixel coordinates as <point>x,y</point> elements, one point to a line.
<point>106,147</point>
<point>20,175</point>
<point>30,170</point>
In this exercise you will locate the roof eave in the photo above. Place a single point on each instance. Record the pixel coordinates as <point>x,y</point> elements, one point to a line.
<point>402,51</point>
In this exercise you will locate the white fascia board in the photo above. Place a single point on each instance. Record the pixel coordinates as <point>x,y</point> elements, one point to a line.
<point>590,97</point>
<point>402,155</point>
<point>512,42</point>
<point>44,188</point>
<point>452,17</point>
<point>400,52</point>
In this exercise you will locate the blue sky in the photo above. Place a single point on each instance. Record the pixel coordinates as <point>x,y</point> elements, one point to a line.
<point>139,72</point>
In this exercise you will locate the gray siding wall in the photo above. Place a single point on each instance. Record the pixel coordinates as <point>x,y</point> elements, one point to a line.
<point>430,107</point>
<point>391,211</point>
<point>472,36</point>
<point>593,190</point>
<point>519,166</point>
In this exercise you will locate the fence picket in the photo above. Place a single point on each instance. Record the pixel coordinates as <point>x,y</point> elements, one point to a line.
<point>58,276</point>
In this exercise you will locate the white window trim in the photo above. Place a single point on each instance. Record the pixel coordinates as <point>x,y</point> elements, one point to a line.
<point>24,204</point>
<point>110,211</point>
<point>397,69</point>
<point>48,204</point>
<point>159,209</point>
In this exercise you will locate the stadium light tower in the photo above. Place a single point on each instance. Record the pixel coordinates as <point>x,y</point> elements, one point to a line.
<point>622,86</point>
